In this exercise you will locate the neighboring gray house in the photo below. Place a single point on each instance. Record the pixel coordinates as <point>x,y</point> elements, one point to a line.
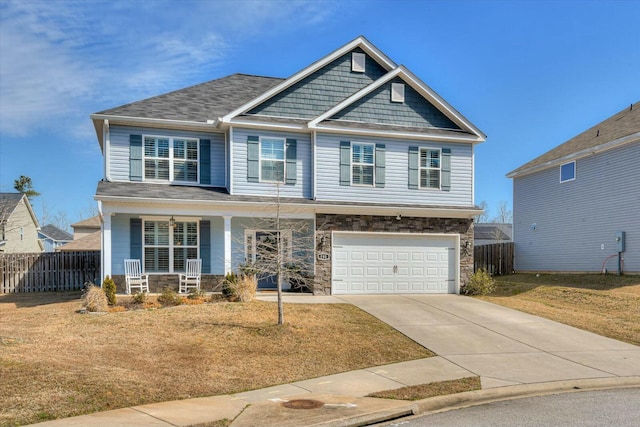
<point>569,203</point>
<point>490,233</point>
<point>52,237</point>
<point>359,149</point>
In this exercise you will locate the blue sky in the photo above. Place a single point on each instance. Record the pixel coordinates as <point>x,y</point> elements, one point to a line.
<point>530,74</point>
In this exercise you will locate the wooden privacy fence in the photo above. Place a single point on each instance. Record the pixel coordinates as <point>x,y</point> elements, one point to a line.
<point>497,258</point>
<point>50,271</point>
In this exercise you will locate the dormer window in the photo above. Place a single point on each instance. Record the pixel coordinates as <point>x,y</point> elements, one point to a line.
<point>397,92</point>
<point>358,62</point>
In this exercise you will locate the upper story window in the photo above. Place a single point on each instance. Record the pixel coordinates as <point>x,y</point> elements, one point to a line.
<point>362,163</point>
<point>170,159</point>
<point>429,168</point>
<point>272,159</point>
<point>568,172</point>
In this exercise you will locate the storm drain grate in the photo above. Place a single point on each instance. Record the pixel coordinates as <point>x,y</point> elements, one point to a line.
<point>303,404</point>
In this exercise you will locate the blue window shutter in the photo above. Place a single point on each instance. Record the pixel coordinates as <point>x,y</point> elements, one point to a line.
<point>345,163</point>
<point>445,170</point>
<point>135,157</point>
<point>414,177</point>
<point>205,246</point>
<point>291,156</point>
<point>380,162</point>
<point>253,159</point>
<point>135,238</point>
<point>205,161</point>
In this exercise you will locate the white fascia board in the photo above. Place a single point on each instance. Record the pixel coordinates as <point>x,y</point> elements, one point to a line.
<point>149,206</point>
<point>356,96</point>
<point>265,125</point>
<point>361,42</point>
<point>330,128</point>
<point>634,137</point>
<point>446,108</point>
<point>147,122</point>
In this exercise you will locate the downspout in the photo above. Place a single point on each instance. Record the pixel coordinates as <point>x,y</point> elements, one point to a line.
<point>106,150</point>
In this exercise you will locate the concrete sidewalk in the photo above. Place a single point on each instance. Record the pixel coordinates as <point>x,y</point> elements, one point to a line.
<point>515,354</point>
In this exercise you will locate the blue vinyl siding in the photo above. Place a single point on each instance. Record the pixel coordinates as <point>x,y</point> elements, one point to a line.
<point>120,151</point>
<point>377,107</point>
<point>241,185</point>
<point>396,187</point>
<point>321,90</point>
<point>573,219</point>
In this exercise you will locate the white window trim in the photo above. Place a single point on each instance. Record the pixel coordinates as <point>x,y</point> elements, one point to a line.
<point>171,160</point>
<point>358,65</point>
<point>352,163</point>
<point>420,168</point>
<point>171,246</point>
<point>284,160</point>
<point>251,252</point>
<point>575,172</point>
<point>397,92</point>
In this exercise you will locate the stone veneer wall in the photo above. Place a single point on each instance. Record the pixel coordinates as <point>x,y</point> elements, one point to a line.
<point>326,223</point>
<point>157,282</point>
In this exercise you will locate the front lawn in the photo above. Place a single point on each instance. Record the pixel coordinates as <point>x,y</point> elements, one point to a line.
<point>607,305</point>
<point>57,363</point>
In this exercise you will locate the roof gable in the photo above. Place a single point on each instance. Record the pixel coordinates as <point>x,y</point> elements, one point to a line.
<point>10,201</point>
<point>322,89</point>
<point>360,44</point>
<point>621,128</point>
<point>54,233</point>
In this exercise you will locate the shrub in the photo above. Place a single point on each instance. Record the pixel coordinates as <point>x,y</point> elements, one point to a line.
<point>139,298</point>
<point>109,287</point>
<point>94,299</point>
<point>480,283</point>
<point>197,294</point>
<point>169,297</point>
<point>240,287</point>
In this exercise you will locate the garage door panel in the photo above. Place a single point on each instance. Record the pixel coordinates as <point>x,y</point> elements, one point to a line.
<point>393,263</point>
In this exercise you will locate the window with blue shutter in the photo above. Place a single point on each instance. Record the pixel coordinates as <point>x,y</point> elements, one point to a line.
<point>205,161</point>
<point>253,159</point>
<point>135,157</point>
<point>291,164</point>
<point>345,163</point>
<point>135,238</point>
<point>205,246</point>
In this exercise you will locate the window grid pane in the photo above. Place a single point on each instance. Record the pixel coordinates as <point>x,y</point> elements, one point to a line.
<point>160,241</point>
<point>362,161</point>
<point>157,163</point>
<point>429,168</point>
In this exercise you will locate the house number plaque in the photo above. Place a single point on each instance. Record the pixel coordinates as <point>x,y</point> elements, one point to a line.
<point>323,256</point>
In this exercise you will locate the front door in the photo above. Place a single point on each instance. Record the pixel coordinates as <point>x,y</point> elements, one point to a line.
<point>262,250</point>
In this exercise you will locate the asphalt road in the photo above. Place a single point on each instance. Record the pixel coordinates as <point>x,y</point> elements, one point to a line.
<point>619,408</point>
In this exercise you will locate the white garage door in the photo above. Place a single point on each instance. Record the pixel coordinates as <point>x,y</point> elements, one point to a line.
<point>372,263</point>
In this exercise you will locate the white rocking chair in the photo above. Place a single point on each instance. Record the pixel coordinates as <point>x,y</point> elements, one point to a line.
<point>134,277</point>
<point>190,279</point>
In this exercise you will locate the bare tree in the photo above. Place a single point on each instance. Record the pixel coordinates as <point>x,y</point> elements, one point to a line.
<point>484,216</point>
<point>279,248</point>
<point>504,216</point>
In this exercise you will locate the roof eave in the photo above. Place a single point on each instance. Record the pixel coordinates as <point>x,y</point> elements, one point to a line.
<point>634,137</point>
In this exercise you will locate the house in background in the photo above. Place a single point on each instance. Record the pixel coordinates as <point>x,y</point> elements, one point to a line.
<point>490,233</point>
<point>53,238</point>
<point>571,203</point>
<point>18,225</point>
<point>86,236</point>
<point>354,147</point>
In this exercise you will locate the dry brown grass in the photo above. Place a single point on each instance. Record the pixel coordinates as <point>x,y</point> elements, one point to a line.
<point>424,391</point>
<point>606,305</point>
<point>57,363</point>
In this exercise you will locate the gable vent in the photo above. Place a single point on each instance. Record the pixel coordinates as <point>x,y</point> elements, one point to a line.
<point>397,92</point>
<point>358,62</point>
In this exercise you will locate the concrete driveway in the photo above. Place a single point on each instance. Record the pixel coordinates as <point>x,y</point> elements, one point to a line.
<point>502,346</point>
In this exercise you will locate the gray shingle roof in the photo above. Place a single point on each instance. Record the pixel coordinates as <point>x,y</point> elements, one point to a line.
<point>55,233</point>
<point>199,103</point>
<point>8,202</point>
<point>625,123</point>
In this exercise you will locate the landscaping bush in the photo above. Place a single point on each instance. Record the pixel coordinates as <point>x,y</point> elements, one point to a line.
<point>169,297</point>
<point>240,287</point>
<point>94,299</point>
<point>109,287</point>
<point>139,298</point>
<point>480,283</point>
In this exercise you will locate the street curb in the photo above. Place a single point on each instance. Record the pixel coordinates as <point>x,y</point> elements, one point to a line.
<point>479,397</point>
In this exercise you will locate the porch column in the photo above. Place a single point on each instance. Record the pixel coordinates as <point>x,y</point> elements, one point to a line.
<point>227,244</point>
<point>106,247</point>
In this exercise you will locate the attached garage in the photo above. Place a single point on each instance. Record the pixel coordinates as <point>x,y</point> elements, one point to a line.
<point>378,263</point>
